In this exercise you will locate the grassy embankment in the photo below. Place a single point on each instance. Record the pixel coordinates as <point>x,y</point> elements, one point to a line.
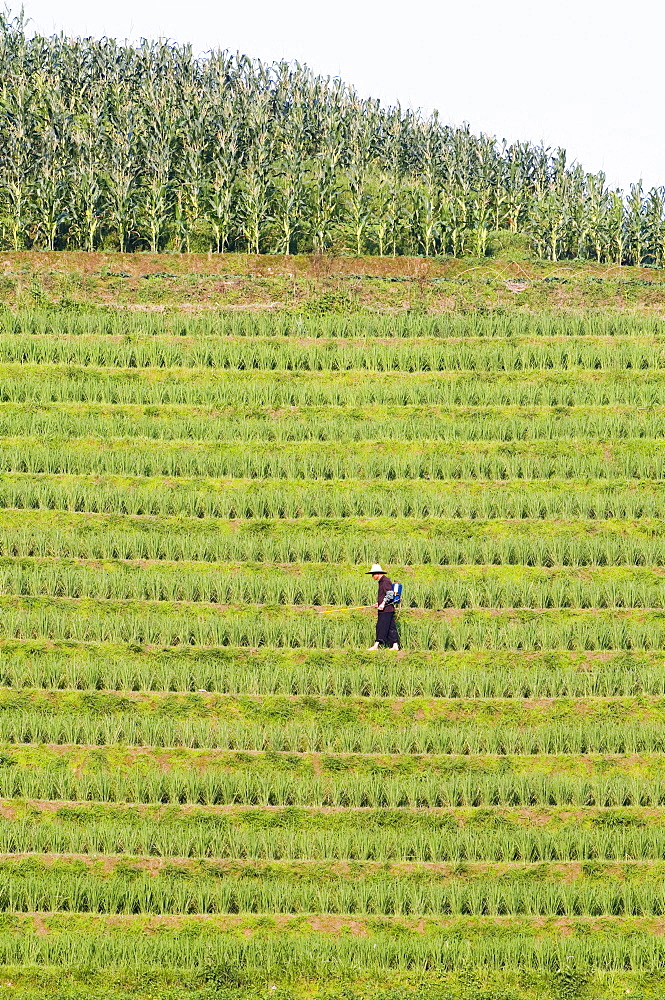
<point>322,284</point>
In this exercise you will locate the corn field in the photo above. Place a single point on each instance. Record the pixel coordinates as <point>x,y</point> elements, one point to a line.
<point>108,146</point>
<point>207,784</point>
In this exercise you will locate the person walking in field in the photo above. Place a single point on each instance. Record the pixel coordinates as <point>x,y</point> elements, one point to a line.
<point>386,628</point>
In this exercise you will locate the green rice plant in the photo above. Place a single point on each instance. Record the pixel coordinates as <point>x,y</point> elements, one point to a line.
<point>441,542</point>
<point>640,459</point>
<point>130,889</point>
<point>176,624</point>
<point>296,952</point>
<point>44,321</point>
<point>311,584</point>
<point>513,834</point>
<point>313,424</point>
<point>70,535</point>
<point>180,498</point>
<point>348,781</point>
<point>22,382</point>
<point>239,498</point>
<point>620,736</point>
<point>227,670</point>
<point>507,354</point>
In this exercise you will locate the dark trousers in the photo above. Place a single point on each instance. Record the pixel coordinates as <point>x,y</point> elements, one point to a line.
<point>386,629</point>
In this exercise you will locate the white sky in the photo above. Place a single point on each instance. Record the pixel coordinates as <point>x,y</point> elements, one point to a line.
<point>583,74</point>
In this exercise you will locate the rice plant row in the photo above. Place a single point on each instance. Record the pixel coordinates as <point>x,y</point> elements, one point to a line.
<point>274,354</point>
<point>282,627</point>
<point>314,873</point>
<point>99,667</point>
<point>132,892</point>
<point>450,586</point>
<point>625,734</point>
<point>265,948</point>
<point>138,764</point>
<point>182,776</point>
<point>407,542</point>
<point>533,835</point>
<point>271,499</point>
<point>24,382</point>
<point>321,714</point>
<point>382,459</point>
<point>334,424</point>
<point>114,323</point>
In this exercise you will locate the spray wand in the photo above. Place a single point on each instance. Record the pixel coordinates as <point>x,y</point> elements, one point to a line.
<point>332,611</point>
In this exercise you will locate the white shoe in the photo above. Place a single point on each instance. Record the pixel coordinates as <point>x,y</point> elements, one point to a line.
<point>372,649</point>
<point>394,648</point>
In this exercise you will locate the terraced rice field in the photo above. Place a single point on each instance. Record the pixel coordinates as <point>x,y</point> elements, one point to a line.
<point>207,786</point>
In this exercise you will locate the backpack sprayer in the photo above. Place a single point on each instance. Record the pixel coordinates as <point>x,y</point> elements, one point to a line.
<point>394,596</point>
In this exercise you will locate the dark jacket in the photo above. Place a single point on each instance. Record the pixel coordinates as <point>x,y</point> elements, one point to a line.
<point>385,584</point>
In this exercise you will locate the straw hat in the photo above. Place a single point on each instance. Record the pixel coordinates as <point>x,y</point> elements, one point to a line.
<point>375,569</point>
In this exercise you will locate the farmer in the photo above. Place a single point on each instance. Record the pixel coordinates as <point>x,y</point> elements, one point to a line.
<point>386,629</point>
